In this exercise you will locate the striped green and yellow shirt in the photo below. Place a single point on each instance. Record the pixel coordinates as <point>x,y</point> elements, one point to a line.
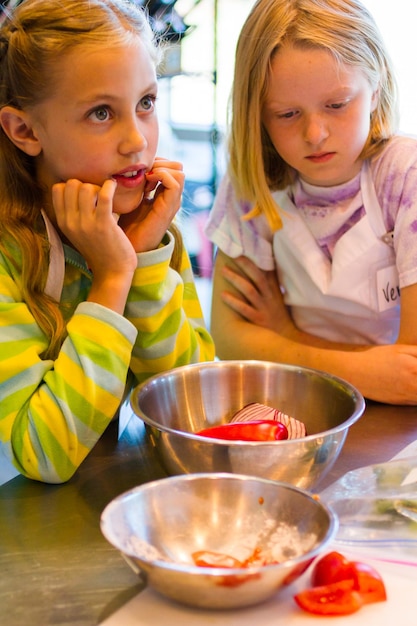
<point>53,412</point>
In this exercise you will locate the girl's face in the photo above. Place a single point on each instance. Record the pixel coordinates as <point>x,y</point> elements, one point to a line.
<point>100,122</point>
<point>317,114</point>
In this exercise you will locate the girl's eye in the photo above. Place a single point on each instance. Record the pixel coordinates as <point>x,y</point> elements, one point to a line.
<point>287,115</point>
<point>101,114</point>
<point>147,103</point>
<point>337,105</point>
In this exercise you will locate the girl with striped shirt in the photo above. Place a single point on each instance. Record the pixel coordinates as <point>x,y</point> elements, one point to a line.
<point>96,287</point>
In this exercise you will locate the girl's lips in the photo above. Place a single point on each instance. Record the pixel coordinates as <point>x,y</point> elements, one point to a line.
<point>130,179</point>
<point>321,158</point>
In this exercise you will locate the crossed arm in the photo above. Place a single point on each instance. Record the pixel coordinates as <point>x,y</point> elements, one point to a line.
<point>249,320</point>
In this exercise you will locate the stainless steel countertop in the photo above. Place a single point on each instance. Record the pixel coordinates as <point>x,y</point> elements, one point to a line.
<point>56,568</point>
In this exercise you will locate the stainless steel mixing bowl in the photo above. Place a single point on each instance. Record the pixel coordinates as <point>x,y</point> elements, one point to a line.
<point>176,404</point>
<point>159,525</point>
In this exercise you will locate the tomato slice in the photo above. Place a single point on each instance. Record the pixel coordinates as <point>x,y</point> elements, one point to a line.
<point>335,599</point>
<point>331,568</point>
<point>354,578</point>
<point>334,567</point>
<point>207,558</point>
<point>367,581</point>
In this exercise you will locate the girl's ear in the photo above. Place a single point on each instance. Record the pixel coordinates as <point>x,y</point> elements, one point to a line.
<point>17,126</point>
<point>375,99</point>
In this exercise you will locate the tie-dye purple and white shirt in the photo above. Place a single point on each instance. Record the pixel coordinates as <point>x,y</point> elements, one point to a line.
<point>331,211</point>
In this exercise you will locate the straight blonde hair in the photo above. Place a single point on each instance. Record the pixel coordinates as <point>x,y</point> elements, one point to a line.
<point>346,29</point>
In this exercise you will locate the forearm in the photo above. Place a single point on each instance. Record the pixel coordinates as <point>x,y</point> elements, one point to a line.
<point>163,305</point>
<point>250,321</point>
<point>111,291</point>
<point>383,373</point>
<point>239,339</point>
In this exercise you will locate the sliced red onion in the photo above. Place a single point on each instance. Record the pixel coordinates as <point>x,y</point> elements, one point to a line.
<point>257,411</point>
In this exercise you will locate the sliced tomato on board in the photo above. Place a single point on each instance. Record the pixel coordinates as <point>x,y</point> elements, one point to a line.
<point>336,599</point>
<point>367,581</point>
<point>331,568</point>
<point>334,567</point>
<point>341,587</point>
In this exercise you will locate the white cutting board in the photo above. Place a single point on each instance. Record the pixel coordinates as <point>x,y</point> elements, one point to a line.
<point>150,609</point>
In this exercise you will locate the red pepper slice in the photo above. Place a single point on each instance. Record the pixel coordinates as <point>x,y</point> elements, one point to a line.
<point>258,430</point>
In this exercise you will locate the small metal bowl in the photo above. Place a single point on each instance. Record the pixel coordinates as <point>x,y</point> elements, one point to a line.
<point>159,525</point>
<point>177,404</point>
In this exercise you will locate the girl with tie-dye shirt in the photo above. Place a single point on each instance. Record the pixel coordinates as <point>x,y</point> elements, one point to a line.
<point>316,220</point>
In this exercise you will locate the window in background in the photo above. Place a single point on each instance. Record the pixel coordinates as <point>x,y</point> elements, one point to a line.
<point>193,109</point>
<point>397,24</point>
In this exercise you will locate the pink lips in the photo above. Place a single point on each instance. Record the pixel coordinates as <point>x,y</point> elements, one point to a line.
<point>130,178</point>
<point>323,157</point>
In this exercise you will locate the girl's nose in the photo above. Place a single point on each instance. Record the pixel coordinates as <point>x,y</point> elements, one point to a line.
<point>315,129</point>
<point>132,138</point>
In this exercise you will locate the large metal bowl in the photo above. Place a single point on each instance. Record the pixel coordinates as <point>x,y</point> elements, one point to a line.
<point>177,404</point>
<point>159,525</point>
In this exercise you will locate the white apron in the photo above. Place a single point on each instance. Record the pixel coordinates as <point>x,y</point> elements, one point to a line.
<point>352,298</point>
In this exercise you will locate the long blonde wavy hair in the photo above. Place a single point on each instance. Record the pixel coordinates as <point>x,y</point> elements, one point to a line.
<point>32,37</point>
<point>346,29</point>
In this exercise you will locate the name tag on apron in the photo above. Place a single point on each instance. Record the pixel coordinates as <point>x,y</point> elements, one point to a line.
<point>388,288</point>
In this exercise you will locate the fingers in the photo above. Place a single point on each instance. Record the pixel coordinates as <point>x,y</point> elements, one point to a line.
<point>249,268</point>
<point>256,293</point>
<point>77,199</point>
<point>71,201</point>
<point>245,310</point>
<point>161,162</point>
<point>147,226</point>
<point>258,277</point>
<point>166,176</point>
<point>84,214</point>
<point>249,280</point>
<point>82,208</point>
<point>242,284</point>
<point>245,300</point>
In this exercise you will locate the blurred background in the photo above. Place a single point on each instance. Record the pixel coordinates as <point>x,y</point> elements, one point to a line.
<point>192,103</point>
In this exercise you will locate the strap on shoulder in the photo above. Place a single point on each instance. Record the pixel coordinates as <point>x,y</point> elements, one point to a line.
<point>56,272</point>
